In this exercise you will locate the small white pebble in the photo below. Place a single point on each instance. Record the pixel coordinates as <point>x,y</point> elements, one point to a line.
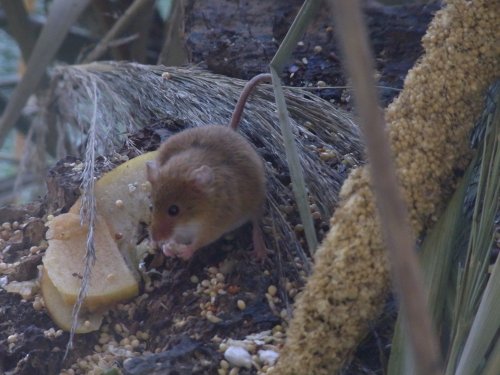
<point>268,357</point>
<point>238,356</point>
<point>50,217</point>
<point>166,75</point>
<point>119,203</point>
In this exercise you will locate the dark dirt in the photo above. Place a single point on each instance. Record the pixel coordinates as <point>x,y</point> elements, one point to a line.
<point>235,38</point>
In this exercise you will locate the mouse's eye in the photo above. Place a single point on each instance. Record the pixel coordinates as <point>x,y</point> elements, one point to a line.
<point>173,210</point>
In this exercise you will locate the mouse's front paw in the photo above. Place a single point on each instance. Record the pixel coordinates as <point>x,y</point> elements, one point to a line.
<point>169,248</point>
<point>185,252</point>
<point>174,249</point>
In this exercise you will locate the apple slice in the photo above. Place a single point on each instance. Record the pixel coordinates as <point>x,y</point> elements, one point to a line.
<point>111,280</point>
<point>122,198</point>
<point>122,201</point>
<point>60,311</point>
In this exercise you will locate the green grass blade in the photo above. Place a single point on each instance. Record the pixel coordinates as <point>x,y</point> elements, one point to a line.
<point>303,18</point>
<point>436,255</point>
<point>463,297</point>
<point>485,321</point>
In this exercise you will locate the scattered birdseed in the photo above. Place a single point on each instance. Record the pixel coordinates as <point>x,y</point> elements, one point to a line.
<point>241,304</point>
<point>38,303</point>
<point>272,290</point>
<point>212,318</point>
<point>224,364</point>
<point>299,228</point>
<point>194,279</point>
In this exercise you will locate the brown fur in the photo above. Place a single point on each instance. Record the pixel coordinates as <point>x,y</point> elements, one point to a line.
<point>235,195</point>
<point>216,180</point>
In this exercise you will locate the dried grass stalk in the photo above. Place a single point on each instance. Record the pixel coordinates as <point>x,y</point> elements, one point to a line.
<point>132,96</point>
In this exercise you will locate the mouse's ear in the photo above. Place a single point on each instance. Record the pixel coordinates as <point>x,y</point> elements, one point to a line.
<point>152,171</point>
<point>202,176</point>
